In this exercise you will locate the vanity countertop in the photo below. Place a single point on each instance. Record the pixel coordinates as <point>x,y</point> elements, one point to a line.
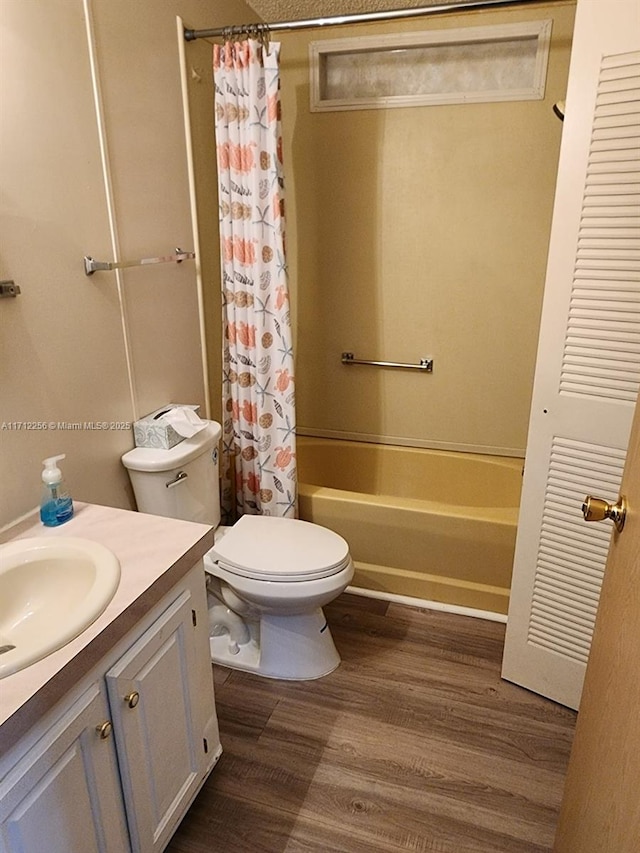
<point>154,554</point>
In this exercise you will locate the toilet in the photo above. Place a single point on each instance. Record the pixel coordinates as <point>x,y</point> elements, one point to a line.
<point>267,578</point>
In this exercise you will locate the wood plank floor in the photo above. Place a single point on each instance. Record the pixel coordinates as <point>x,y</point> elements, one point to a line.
<point>413,743</point>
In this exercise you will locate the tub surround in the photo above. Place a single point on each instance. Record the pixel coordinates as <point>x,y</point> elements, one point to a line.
<point>397,224</point>
<point>155,554</point>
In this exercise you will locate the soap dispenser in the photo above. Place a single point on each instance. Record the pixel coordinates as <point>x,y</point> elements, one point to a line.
<point>56,506</point>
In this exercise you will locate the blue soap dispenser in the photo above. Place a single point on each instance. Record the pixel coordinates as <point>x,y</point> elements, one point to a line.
<point>56,506</point>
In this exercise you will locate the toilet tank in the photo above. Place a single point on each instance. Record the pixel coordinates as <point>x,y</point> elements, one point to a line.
<point>182,482</point>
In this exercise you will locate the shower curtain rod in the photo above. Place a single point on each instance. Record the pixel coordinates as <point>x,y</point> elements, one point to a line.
<point>361,18</point>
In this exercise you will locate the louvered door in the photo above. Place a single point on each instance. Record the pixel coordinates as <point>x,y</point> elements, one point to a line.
<point>588,368</point>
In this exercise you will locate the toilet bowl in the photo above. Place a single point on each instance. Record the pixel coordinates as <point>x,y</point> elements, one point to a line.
<point>267,578</point>
<point>276,574</point>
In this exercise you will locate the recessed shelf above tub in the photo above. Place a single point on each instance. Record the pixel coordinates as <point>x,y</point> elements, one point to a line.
<point>505,62</point>
<point>91,266</point>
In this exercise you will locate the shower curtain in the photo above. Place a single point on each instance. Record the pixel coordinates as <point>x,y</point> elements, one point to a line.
<point>258,438</point>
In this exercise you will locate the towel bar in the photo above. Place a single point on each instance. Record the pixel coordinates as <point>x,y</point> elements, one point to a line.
<point>91,266</point>
<point>425,364</point>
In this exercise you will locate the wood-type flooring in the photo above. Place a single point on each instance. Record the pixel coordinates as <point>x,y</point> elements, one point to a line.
<point>413,743</point>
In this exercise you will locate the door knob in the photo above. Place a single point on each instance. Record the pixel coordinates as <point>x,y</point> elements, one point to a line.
<point>597,509</point>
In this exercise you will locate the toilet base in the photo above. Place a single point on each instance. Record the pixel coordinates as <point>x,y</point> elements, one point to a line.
<point>298,648</point>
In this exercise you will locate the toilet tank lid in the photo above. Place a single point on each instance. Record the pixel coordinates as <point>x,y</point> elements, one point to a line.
<point>157,459</point>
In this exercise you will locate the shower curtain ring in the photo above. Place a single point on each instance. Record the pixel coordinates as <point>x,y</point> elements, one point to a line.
<point>264,34</point>
<point>233,33</point>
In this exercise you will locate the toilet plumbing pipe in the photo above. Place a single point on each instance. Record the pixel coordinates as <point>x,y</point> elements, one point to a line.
<point>222,617</point>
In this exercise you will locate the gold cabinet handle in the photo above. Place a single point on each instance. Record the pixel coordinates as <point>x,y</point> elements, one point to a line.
<point>597,509</point>
<point>104,729</point>
<point>132,699</point>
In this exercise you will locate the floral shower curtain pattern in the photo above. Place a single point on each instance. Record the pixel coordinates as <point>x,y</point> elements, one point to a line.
<point>259,452</point>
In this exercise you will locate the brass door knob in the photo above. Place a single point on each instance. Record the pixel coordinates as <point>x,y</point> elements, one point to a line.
<point>104,729</point>
<point>132,699</point>
<point>597,509</point>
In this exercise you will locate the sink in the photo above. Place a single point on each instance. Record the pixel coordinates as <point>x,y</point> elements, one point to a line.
<point>51,589</point>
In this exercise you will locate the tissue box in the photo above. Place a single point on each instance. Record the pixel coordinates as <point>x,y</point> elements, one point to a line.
<point>151,431</point>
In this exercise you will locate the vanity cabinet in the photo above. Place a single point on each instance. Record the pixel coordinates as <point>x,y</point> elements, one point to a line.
<point>64,795</point>
<point>115,768</point>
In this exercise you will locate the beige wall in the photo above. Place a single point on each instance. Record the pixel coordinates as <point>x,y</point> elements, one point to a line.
<point>420,232</point>
<point>64,340</point>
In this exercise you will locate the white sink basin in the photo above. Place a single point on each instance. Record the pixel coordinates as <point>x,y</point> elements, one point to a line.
<point>51,589</point>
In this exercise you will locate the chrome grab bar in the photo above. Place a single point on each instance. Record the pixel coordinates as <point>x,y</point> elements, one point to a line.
<point>91,266</point>
<point>425,363</point>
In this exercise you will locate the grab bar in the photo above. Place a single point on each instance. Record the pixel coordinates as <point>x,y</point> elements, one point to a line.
<point>425,363</point>
<point>91,266</point>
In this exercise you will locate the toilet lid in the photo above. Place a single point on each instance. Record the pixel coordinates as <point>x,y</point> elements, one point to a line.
<point>280,549</point>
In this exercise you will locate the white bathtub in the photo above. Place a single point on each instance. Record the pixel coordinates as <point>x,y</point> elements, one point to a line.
<point>429,524</point>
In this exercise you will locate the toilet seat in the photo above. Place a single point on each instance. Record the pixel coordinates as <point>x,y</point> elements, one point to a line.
<point>267,548</point>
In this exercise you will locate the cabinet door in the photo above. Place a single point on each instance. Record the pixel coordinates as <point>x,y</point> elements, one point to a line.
<point>153,692</point>
<point>64,796</point>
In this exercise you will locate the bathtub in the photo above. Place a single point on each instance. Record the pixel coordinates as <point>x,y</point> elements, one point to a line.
<point>429,524</point>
